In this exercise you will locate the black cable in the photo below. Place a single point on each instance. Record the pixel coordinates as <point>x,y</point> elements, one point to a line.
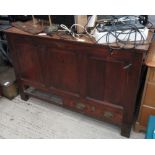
<point>113,31</point>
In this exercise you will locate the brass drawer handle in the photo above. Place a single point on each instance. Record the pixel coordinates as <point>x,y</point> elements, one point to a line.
<point>108,114</point>
<point>80,105</point>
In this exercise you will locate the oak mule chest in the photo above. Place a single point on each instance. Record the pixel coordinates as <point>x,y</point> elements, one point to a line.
<point>84,77</point>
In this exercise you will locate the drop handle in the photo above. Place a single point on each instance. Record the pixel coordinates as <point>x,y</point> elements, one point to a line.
<point>127,66</point>
<point>108,114</point>
<point>80,106</point>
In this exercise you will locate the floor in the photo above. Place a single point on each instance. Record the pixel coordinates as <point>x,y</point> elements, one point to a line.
<point>39,119</point>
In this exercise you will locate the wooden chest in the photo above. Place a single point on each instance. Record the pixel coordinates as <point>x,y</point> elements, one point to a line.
<point>84,77</point>
<point>148,100</point>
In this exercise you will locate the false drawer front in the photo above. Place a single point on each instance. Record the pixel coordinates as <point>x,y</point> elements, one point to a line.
<point>149,98</point>
<point>152,75</point>
<point>146,111</point>
<point>100,111</point>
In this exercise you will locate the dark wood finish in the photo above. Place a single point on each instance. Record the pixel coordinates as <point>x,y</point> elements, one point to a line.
<point>29,27</point>
<point>88,77</point>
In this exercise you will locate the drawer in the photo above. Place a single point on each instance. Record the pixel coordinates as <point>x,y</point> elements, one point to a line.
<point>97,110</point>
<point>146,111</point>
<point>149,98</point>
<point>151,75</point>
<point>107,113</point>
